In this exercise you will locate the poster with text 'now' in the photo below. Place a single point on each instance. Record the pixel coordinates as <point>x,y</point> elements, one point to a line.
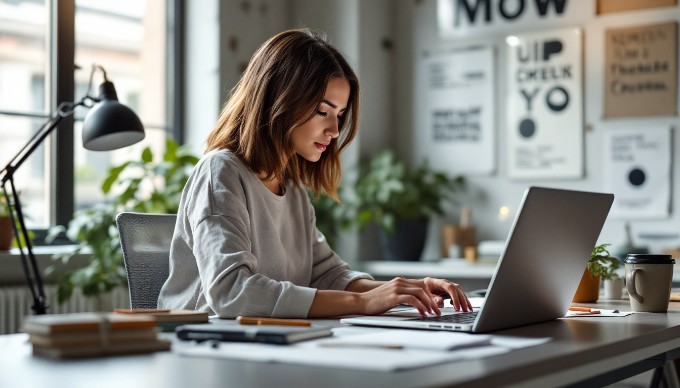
<point>544,105</point>
<point>638,171</point>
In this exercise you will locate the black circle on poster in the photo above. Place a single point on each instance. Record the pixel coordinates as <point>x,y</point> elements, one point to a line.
<point>637,177</point>
<point>527,128</point>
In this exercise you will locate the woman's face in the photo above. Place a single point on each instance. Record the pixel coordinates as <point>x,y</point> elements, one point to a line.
<point>312,138</point>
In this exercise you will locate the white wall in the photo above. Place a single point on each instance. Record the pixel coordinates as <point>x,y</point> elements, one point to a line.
<point>391,99</point>
<point>487,193</point>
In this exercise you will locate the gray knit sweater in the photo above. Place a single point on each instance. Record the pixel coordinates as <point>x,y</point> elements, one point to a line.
<point>239,249</point>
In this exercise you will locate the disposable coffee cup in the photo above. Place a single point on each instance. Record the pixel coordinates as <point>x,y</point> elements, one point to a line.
<point>648,281</point>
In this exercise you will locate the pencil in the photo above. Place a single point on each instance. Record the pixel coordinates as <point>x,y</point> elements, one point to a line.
<point>575,308</point>
<point>272,321</point>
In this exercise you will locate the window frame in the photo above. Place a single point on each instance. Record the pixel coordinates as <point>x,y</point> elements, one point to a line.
<point>60,82</point>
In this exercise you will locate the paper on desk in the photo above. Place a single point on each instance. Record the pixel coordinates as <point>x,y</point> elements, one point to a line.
<point>344,358</point>
<point>409,339</point>
<point>602,313</point>
<point>364,358</point>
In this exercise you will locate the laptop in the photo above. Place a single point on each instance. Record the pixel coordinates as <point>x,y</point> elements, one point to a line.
<point>537,274</point>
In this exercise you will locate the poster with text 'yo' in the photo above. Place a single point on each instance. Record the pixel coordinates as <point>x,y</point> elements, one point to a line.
<point>544,105</point>
<point>638,171</point>
<point>459,133</point>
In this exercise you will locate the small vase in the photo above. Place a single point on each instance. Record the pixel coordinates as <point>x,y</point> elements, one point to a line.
<point>613,288</point>
<point>588,290</point>
<point>6,233</point>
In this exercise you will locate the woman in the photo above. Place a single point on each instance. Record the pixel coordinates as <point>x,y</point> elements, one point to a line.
<point>245,242</point>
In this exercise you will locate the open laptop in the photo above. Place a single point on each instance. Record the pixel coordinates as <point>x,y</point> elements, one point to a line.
<point>546,252</point>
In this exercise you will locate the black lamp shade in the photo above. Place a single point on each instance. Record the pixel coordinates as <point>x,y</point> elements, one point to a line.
<point>110,125</point>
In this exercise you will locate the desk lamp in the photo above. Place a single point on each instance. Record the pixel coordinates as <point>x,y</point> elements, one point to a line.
<point>109,125</point>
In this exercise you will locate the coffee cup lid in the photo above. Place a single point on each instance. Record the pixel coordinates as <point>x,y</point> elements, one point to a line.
<point>642,258</point>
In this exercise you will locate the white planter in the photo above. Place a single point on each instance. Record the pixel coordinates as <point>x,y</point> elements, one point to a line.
<point>613,289</point>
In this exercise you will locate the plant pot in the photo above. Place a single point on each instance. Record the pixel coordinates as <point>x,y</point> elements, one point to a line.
<point>6,233</point>
<point>407,241</point>
<point>588,290</point>
<point>613,288</point>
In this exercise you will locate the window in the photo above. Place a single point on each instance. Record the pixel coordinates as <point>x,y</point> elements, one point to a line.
<point>133,40</point>
<point>24,60</point>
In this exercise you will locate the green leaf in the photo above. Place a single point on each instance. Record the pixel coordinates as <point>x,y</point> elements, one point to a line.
<point>170,150</point>
<point>147,155</point>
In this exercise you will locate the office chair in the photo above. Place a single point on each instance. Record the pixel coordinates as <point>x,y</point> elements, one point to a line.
<point>145,240</point>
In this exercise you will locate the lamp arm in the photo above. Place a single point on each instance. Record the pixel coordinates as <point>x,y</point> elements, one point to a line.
<point>64,110</point>
<point>28,261</point>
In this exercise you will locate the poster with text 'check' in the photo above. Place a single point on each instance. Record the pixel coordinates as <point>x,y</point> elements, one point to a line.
<point>544,105</point>
<point>459,131</point>
<point>638,172</point>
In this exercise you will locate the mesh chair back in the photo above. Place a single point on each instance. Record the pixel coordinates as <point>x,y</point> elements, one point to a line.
<point>145,239</point>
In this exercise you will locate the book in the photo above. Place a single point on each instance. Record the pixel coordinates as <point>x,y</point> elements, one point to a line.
<point>92,337</point>
<point>271,334</point>
<point>80,322</point>
<point>99,350</point>
<point>168,315</point>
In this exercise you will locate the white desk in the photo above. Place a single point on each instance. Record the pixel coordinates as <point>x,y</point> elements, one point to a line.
<point>599,349</point>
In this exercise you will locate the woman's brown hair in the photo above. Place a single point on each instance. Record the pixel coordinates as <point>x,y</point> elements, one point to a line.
<point>280,89</point>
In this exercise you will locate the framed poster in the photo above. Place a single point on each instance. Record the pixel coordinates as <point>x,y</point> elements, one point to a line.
<point>609,6</point>
<point>544,105</point>
<point>459,135</point>
<point>640,71</point>
<point>638,172</point>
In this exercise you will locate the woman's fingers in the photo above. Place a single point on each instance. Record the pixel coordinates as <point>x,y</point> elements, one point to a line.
<point>459,299</point>
<point>419,290</point>
<point>424,297</point>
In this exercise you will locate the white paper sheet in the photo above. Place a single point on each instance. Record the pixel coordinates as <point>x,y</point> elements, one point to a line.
<point>602,313</point>
<point>365,358</point>
<point>409,339</point>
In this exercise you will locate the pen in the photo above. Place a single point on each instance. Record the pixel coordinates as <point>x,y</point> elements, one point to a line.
<point>271,321</point>
<point>370,346</point>
<point>584,309</point>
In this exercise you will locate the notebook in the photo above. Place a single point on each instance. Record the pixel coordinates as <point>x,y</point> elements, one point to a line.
<point>272,334</point>
<point>545,254</point>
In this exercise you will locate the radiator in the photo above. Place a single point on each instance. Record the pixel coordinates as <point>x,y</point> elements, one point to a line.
<point>16,302</point>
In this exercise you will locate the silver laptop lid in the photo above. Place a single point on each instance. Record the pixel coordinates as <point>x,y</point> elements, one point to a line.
<point>545,254</point>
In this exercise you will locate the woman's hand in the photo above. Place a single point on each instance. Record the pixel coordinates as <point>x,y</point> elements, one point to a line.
<point>441,287</point>
<point>419,293</point>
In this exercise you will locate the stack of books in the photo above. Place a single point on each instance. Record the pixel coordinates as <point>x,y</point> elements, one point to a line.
<point>92,334</point>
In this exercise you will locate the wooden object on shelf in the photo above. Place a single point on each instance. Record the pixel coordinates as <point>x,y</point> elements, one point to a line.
<point>463,236</point>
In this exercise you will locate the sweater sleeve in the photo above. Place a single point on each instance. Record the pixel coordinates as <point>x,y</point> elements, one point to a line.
<point>229,279</point>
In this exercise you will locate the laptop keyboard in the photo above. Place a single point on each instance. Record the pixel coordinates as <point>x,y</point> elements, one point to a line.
<point>468,317</point>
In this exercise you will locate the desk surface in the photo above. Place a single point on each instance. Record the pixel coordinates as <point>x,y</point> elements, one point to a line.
<point>581,348</point>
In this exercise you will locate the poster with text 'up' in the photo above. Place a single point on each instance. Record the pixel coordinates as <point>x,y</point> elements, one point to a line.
<point>638,171</point>
<point>459,132</point>
<point>545,108</point>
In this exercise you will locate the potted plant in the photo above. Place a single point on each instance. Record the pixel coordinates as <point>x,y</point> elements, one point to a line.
<point>601,266</point>
<point>330,216</point>
<point>400,201</point>
<point>142,185</point>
